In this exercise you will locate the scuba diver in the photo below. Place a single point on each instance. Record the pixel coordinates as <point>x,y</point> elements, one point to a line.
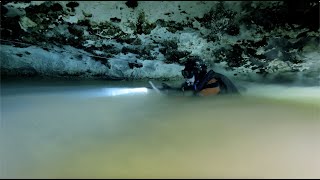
<point>203,82</point>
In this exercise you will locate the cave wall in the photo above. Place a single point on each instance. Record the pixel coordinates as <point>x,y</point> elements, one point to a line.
<point>271,40</point>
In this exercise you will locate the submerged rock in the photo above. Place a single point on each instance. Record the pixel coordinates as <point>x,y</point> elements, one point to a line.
<point>26,23</point>
<point>238,37</point>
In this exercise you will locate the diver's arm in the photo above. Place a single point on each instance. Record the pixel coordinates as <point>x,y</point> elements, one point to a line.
<point>183,87</point>
<point>167,87</point>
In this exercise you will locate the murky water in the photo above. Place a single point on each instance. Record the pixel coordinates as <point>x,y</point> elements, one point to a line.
<point>122,130</point>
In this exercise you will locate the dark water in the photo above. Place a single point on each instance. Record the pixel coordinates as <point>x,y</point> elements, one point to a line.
<point>101,129</point>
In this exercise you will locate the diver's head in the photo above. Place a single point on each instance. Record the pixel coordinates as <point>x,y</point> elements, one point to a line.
<point>193,69</point>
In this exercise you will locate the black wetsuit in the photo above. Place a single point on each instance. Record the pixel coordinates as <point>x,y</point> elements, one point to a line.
<point>213,80</point>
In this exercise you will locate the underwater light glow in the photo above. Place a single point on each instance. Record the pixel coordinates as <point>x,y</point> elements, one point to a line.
<point>104,92</point>
<point>123,91</point>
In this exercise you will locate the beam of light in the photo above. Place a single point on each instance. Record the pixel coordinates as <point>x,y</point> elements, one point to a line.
<point>105,92</point>
<point>124,91</point>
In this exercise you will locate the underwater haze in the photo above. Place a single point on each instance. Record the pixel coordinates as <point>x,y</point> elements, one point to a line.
<point>101,129</point>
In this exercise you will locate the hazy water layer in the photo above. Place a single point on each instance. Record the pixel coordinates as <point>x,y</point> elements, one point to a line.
<point>121,130</point>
